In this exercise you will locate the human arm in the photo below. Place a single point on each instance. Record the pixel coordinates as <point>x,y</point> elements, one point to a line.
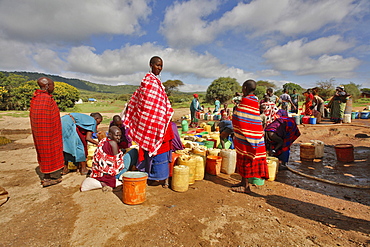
<point>90,139</point>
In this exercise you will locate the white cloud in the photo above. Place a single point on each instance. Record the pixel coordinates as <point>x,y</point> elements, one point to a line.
<point>267,73</point>
<point>286,16</point>
<point>19,56</point>
<point>70,20</point>
<point>193,88</point>
<point>312,57</point>
<point>185,23</point>
<point>15,55</point>
<point>130,59</point>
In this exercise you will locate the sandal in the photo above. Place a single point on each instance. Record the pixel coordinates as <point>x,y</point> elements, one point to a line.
<point>165,185</point>
<point>241,189</point>
<point>50,182</point>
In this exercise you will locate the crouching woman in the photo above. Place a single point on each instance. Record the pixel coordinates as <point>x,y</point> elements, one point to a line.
<point>107,163</point>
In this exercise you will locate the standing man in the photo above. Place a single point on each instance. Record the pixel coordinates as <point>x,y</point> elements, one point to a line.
<point>47,131</point>
<point>249,142</point>
<point>194,107</point>
<point>271,95</point>
<point>148,117</point>
<point>285,100</point>
<point>217,105</point>
<point>295,98</point>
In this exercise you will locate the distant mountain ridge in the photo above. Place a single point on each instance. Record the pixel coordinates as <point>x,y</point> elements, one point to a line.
<point>79,84</point>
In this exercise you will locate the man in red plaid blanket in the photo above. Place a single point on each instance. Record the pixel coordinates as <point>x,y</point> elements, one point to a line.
<point>148,117</point>
<point>47,131</point>
<point>249,140</point>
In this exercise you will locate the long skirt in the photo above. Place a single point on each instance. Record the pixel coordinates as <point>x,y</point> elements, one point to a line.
<point>337,110</point>
<point>156,166</point>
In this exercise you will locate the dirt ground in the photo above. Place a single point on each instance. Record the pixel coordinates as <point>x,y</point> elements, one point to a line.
<point>293,210</point>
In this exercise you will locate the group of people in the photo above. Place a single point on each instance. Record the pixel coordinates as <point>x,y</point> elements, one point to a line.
<point>147,121</point>
<point>257,128</point>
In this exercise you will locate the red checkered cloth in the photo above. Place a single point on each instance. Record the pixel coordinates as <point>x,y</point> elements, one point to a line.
<point>148,114</point>
<point>47,131</point>
<point>104,163</point>
<point>249,139</point>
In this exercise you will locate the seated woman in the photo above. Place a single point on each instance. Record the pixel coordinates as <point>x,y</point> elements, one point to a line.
<point>280,135</point>
<point>107,164</point>
<point>226,130</point>
<point>125,141</point>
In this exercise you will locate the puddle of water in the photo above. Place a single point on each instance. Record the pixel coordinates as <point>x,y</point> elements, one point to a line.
<point>357,172</point>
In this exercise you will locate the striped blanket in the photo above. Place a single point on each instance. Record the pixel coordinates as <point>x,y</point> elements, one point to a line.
<point>47,131</point>
<point>287,129</point>
<point>249,142</point>
<point>148,114</point>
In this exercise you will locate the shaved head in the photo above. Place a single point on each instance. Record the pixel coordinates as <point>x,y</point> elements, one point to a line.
<point>249,86</point>
<point>46,84</point>
<point>113,129</point>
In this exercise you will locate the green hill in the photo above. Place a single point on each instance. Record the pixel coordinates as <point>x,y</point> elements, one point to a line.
<point>79,84</point>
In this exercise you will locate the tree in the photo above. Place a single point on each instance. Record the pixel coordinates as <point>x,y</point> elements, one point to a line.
<point>353,90</point>
<point>9,83</point>
<point>172,85</point>
<point>266,84</point>
<point>290,86</point>
<point>260,92</point>
<point>65,95</point>
<point>326,88</point>
<point>19,98</point>
<point>223,88</point>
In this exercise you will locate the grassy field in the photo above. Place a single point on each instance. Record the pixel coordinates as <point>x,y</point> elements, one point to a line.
<point>15,114</point>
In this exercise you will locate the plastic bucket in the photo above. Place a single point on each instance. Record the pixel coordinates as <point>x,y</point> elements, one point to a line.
<point>134,187</point>
<point>347,118</point>
<point>319,148</point>
<point>213,166</point>
<point>180,178</point>
<point>209,144</point>
<point>272,165</point>
<point>213,151</point>
<point>353,115</point>
<point>344,152</point>
<point>191,163</point>
<point>306,119</point>
<point>173,162</point>
<point>207,128</point>
<point>199,167</point>
<point>256,181</point>
<point>312,120</point>
<point>365,114</point>
<point>184,125</point>
<point>228,163</point>
<point>297,119</point>
<point>307,151</point>
<point>357,114</point>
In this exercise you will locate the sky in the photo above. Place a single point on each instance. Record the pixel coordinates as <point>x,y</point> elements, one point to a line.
<point>111,41</point>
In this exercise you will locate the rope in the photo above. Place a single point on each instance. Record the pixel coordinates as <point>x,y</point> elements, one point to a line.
<point>328,181</point>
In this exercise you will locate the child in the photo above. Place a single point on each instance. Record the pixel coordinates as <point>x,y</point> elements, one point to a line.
<point>125,141</point>
<point>107,163</point>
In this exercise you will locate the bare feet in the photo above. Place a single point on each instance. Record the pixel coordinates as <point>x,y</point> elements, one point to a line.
<point>65,170</point>
<point>107,189</point>
<point>237,185</point>
<point>83,169</point>
<point>46,182</point>
<point>241,189</point>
